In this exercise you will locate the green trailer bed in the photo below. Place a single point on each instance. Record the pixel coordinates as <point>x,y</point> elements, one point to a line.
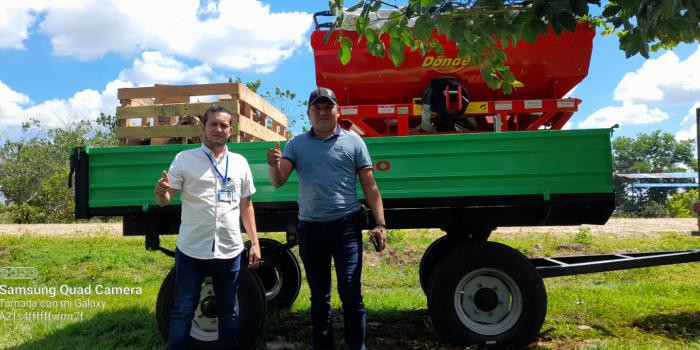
<point>446,181</point>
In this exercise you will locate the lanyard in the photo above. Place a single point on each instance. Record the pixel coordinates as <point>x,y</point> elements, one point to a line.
<point>223,177</point>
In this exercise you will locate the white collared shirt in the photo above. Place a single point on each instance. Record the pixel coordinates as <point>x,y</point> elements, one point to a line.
<point>210,228</point>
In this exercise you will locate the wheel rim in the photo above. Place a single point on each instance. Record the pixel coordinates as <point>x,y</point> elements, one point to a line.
<point>204,326</point>
<point>272,279</point>
<point>488,301</point>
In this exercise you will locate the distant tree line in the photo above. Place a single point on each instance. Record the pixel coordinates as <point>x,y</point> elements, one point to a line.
<point>655,152</point>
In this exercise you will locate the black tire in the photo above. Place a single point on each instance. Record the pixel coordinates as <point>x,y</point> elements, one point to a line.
<point>280,275</point>
<point>432,256</point>
<point>487,293</point>
<point>251,312</point>
<point>443,245</point>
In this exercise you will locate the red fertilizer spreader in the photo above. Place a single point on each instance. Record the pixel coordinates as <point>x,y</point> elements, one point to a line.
<point>442,93</point>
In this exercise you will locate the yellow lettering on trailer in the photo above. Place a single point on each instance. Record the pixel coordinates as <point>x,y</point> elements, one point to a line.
<point>442,61</point>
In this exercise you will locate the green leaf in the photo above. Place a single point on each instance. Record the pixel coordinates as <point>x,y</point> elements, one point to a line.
<point>376,6</point>
<point>396,52</point>
<point>444,25</point>
<point>360,25</point>
<point>567,21</point>
<point>489,78</point>
<point>518,84</point>
<point>540,8</point>
<point>611,10</point>
<point>421,29</point>
<point>556,24</point>
<point>668,7</point>
<point>507,89</point>
<point>356,6</point>
<point>344,52</point>
<point>436,46</point>
<point>426,3</point>
<point>538,26</point>
<point>371,34</point>
<point>376,48</point>
<point>528,32</point>
<point>499,55</point>
<point>579,7</point>
<point>508,76</point>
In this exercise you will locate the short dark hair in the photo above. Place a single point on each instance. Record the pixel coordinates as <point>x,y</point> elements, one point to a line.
<point>216,109</point>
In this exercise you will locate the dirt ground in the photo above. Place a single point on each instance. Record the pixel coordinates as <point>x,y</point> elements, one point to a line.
<point>615,226</point>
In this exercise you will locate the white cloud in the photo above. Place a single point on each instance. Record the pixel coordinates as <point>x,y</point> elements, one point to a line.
<point>627,114</point>
<point>152,67</point>
<point>688,126</point>
<point>230,34</point>
<point>11,103</point>
<point>15,107</point>
<point>664,79</point>
<point>14,26</point>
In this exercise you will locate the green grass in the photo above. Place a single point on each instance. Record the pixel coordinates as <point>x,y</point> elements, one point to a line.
<point>650,308</point>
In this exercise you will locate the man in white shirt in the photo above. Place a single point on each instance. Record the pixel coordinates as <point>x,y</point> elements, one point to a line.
<point>215,186</point>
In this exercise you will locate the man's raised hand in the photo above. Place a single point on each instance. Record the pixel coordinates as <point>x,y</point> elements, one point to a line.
<point>274,155</point>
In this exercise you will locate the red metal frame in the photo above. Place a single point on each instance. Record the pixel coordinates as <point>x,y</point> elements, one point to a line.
<point>515,115</point>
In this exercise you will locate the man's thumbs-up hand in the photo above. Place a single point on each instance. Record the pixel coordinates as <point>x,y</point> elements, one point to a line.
<point>162,186</point>
<point>274,155</point>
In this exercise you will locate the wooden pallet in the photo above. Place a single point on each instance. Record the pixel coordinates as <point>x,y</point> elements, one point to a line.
<point>165,114</point>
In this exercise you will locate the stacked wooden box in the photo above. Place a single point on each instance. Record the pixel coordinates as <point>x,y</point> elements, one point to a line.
<point>165,114</point>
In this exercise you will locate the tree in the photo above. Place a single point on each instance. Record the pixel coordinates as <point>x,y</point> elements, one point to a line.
<point>655,152</point>
<point>482,28</point>
<point>288,103</point>
<point>284,100</point>
<point>34,170</point>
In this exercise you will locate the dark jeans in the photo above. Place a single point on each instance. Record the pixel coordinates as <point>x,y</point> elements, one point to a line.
<point>189,275</point>
<point>342,241</point>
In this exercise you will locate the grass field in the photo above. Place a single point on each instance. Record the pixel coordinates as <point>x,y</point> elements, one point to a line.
<point>650,308</point>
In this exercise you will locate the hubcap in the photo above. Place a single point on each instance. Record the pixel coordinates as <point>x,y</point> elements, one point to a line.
<point>488,301</point>
<point>205,321</point>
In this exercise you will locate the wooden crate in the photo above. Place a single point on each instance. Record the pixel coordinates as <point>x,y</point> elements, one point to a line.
<point>164,114</point>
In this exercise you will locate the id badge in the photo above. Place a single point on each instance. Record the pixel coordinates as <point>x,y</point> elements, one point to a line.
<point>224,196</point>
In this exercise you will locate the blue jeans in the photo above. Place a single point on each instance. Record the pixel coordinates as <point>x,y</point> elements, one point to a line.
<point>340,240</point>
<point>189,275</point>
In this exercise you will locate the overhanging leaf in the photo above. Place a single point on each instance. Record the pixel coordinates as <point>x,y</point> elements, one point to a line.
<point>344,52</point>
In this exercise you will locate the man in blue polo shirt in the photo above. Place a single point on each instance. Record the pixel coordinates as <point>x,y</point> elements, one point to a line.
<point>328,161</point>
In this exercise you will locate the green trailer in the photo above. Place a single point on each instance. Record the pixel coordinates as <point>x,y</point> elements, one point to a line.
<point>464,184</point>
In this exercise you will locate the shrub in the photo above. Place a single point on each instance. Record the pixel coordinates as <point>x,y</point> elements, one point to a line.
<point>653,209</point>
<point>681,204</point>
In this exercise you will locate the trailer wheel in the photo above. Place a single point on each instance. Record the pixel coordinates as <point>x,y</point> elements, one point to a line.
<point>203,335</point>
<point>487,293</point>
<point>280,275</point>
<point>432,256</point>
<point>443,245</point>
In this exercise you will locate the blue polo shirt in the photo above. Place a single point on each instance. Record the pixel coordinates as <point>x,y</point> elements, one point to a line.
<point>327,173</point>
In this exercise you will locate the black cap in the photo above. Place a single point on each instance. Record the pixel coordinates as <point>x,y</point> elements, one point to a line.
<point>320,93</point>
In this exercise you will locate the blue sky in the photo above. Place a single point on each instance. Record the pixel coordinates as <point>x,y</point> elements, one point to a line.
<point>63,60</point>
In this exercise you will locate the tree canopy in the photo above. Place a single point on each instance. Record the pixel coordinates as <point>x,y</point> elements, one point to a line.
<point>655,152</point>
<point>482,28</point>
